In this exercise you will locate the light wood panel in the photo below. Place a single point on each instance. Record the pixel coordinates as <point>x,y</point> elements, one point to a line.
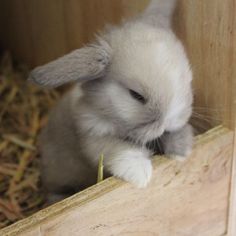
<point>184,198</point>
<point>232,202</point>
<point>207,28</point>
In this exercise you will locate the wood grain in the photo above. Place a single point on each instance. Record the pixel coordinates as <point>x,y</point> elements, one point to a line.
<point>39,31</point>
<point>232,202</point>
<point>184,199</point>
<point>207,28</point>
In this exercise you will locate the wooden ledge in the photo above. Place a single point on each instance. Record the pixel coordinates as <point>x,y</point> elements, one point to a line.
<point>182,198</point>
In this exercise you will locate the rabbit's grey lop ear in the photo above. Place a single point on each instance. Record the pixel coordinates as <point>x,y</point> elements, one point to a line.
<point>83,64</point>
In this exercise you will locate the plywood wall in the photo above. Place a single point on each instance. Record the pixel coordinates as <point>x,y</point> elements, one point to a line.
<point>39,31</point>
<point>208,30</point>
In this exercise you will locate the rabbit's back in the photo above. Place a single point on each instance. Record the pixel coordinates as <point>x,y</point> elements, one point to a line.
<point>63,168</point>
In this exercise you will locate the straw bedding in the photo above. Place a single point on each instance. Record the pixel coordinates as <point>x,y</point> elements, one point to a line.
<point>23,111</point>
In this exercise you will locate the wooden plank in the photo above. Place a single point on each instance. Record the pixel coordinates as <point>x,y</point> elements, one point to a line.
<point>232,203</point>
<point>184,198</point>
<point>15,30</point>
<point>39,31</point>
<point>207,28</point>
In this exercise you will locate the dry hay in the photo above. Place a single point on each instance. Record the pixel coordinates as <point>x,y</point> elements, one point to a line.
<point>23,111</point>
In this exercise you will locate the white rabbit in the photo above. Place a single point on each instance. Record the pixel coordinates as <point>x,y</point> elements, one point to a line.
<point>133,87</point>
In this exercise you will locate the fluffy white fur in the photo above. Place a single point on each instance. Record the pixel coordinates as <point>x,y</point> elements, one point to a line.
<point>100,115</point>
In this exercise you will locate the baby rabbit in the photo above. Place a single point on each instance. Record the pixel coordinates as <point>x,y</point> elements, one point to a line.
<point>133,92</point>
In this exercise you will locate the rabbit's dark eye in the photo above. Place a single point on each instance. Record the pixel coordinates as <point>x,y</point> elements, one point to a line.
<point>137,96</point>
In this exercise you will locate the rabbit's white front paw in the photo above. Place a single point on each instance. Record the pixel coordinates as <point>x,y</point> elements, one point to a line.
<point>133,166</point>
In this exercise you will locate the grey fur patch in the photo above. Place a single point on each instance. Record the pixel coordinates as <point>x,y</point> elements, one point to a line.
<point>159,13</point>
<point>179,142</point>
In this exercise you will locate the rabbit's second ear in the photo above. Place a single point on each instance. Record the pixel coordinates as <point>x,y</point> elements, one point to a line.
<point>80,65</point>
